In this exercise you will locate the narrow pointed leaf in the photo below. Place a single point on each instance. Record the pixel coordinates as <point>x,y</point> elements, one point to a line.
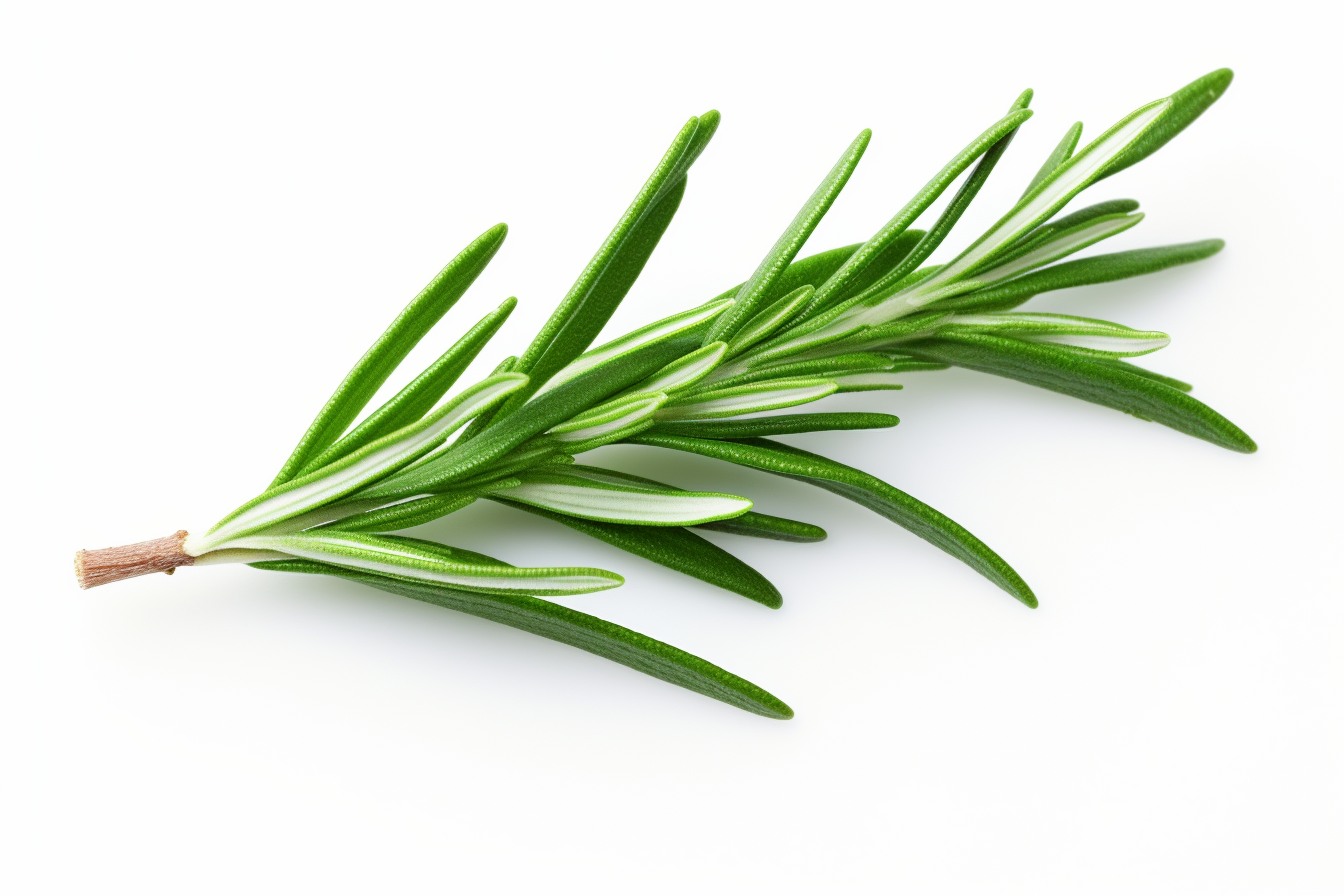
<point>749,399</point>
<point>785,424</point>
<point>464,460</point>
<point>407,559</point>
<point>762,525</point>
<point>756,292</point>
<point>1060,370</point>
<point>608,502</point>
<point>769,320</point>
<point>1187,104</point>
<point>1062,152</point>
<point>673,547</point>
<point>685,371</point>
<point>1099,337</point>
<point>667,329</point>
<point>597,636</point>
<point>594,297</point>
<point>382,358</point>
<point>830,291</point>
<point>351,473</point>
<point>414,401</point>
<point>860,487</point>
<point>889,284</point>
<point>1084,271</point>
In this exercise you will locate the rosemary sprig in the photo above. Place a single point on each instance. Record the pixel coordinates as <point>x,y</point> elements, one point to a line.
<point>795,331</point>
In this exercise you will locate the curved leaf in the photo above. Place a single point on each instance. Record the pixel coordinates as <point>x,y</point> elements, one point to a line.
<point>1061,370</point>
<point>382,358</point>
<point>757,290</point>
<point>594,297</point>
<point>675,548</point>
<point>612,502</point>
<point>1084,271</point>
<point>414,401</point>
<point>597,636</point>
<point>785,424</point>
<point>409,560</point>
<point>1187,104</point>
<point>860,487</point>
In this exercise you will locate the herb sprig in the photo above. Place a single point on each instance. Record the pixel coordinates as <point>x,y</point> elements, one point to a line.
<point>795,331</point>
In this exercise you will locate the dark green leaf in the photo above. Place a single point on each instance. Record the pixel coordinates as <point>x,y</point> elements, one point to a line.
<point>605,639</point>
<point>1188,103</point>
<point>587,389</point>
<point>1084,271</point>
<point>674,547</point>
<point>594,297</point>
<point>1113,385</point>
<point>773,426</point>
<point>753,295</point>
<point>762,525</point>
<point>860,487</point>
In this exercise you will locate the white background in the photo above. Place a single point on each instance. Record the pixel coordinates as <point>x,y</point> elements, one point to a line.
<point>208,212</point>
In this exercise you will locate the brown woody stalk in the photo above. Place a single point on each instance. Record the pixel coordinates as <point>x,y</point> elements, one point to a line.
<point>93,568</point>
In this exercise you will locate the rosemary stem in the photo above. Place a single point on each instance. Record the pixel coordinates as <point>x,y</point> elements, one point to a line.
<point>93,568</point>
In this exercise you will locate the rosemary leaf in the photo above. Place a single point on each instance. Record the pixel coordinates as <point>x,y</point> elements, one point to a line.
<point>605,639</point>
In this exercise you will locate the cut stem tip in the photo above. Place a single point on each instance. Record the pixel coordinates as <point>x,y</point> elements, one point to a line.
<point>93,568</point>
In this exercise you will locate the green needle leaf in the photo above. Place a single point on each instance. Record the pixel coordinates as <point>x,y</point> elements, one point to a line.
<point>675,548</point>
<point>464,460</point>
<point>834,289</point>
<point>1115,386</point>
<point>594,297</point>
<point>408,559</point>
<point>1084,271</point>
<point>1061,154</point>
<point>782,425</point>
<point>1187,104</point>
<point>757,290</point>
<point>768,321</point>
<point>353,472</point>
<point>413,402</point>
<point>761,525</point>
<point>749,399</point>
<point>860,487</point>
<point>382,358</point>
<point>600,498</point>
<point>605,639</point>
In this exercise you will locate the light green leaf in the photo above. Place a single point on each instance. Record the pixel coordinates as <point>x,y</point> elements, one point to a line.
<point>382,358</point>
<point>749,399</point>
<point>462,461</point>
<point>351,473</point>
<point>594,297</point>
<point>605,639</point>
<point>407,559</point>
<point>860,487</point>
<point>414,401</point>
<point>835,288</point>
<point>1096,337</point>
<point>665,330</point>
<point>1084,271</point>
<point>684,372</point>
<point>594,498</point>
<point>1058,156</point>
<point>768,321</point>
<point>754,294</point>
